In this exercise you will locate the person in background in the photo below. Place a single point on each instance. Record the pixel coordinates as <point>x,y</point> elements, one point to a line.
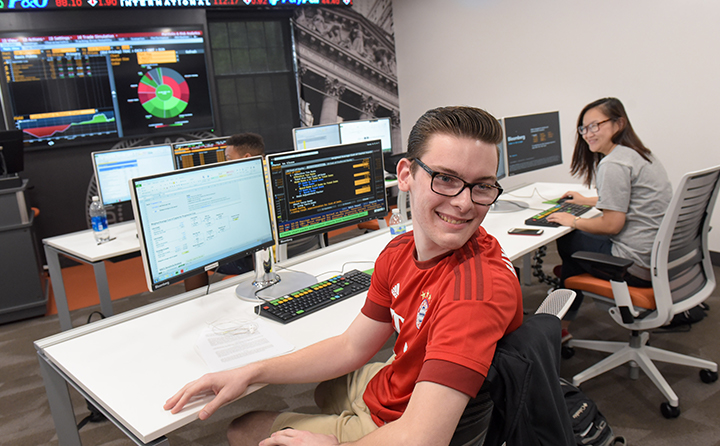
<point>241,145</point>
<point>447,290</point>
<point>633,194</point>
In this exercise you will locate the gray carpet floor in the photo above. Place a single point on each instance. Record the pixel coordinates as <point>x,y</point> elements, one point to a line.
<point>631,406</point>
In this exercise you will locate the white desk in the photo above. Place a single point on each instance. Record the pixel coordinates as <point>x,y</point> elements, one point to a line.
<point>129,364</point>
<point>81,246</point>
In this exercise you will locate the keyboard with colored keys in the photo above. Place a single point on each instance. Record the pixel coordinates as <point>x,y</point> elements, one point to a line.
<point>295,305</point>
<point>541,218</point>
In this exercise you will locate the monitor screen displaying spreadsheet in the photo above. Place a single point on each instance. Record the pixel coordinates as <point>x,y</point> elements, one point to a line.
<point>197,219</point>
<point>114,168</point>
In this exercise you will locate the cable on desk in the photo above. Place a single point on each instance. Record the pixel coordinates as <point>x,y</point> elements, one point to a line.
<point>342,267</point>
<point>233,327</point>
<point>535,191</point>
<point>214,271</point>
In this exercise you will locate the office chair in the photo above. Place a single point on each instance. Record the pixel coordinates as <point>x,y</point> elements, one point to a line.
<point>528,406</point>
<point>682,278</point>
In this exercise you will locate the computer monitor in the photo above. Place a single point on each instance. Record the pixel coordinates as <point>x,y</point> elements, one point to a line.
<point>346,132</point>
<point>194,220</point>
<point>11,158</point>
<point>367,130</point>
<point>198,153</point>
<point>114,168</point>
<point>502,159</point>
<point>532,142</point>
<point>319,190</point>
<point>316,136</point>
<point>105,82</point>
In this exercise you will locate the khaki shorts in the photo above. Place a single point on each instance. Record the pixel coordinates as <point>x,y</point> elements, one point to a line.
<point>344,413</point>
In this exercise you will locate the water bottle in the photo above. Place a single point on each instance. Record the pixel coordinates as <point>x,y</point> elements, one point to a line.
<point>397,223</point>
<point>98,217</point>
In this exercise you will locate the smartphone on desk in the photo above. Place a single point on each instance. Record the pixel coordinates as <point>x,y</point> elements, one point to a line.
<point>526,231</point>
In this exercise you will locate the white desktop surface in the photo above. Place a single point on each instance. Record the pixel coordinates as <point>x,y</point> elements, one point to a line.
<point>82,243</point>
<point>516,246</point>
<point>133,362</point>
<point>101,361</point>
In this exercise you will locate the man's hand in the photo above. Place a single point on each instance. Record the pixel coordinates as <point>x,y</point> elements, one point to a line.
<point>227,386</point>
<point>292,437</point>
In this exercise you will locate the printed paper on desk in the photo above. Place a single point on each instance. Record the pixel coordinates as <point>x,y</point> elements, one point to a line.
<point>228,349</point>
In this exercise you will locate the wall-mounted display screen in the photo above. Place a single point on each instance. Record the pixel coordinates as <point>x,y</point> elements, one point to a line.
<point>103,85</point>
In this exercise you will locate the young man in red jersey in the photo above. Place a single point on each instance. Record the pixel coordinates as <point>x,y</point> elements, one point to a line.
<point>446,289</point>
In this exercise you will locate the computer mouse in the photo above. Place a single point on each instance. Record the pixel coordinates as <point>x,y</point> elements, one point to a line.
<point>564,199</point>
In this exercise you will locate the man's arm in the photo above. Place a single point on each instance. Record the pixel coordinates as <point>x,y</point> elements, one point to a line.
<point>327,359</point>
<point>430,419</point>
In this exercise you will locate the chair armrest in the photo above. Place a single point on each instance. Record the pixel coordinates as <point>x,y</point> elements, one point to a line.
<point>605,266</point>
<point>612,268</point>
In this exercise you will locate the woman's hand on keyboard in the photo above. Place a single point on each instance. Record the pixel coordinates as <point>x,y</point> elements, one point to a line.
<point>562,218</point>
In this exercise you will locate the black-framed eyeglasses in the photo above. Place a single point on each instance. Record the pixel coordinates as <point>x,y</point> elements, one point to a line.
<point>448,185</point>
<point>592,128</point>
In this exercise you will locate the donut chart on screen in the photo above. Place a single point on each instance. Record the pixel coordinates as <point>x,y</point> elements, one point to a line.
<point>163,92</point>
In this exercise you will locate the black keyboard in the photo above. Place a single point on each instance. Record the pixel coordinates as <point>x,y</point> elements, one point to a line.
<point>541,218</point>
<point>308,300</point>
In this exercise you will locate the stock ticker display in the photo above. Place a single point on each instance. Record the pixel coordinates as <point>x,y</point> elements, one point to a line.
<point>40,5</point>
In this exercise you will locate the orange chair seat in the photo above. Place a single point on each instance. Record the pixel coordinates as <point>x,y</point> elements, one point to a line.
<point>641,297</point>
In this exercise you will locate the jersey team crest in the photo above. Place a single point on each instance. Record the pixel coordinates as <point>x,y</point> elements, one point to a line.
<point>422,311</point>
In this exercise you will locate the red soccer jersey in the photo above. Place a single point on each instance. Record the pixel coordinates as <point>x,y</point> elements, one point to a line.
<point>449,312</point>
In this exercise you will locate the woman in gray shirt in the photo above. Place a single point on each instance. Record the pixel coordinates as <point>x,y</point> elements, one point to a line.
<point>633,194</point>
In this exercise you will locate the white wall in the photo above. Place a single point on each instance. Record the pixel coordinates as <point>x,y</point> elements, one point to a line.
<point>660,57</point>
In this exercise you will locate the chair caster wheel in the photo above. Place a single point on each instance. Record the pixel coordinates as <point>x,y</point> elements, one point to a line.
<point>708,376</point>
<point>669,411</point>
<point>567,352</point>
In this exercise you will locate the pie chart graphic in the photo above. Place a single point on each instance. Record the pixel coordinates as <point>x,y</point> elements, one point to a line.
<point>163,92</point>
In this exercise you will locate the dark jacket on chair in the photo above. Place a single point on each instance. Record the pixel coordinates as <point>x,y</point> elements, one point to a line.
<point>524,385</point>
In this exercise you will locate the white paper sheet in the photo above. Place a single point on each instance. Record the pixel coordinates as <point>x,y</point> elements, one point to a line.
<point>227,345</point>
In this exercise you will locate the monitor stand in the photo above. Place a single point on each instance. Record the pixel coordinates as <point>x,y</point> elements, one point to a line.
<point>502,206</point>
<point>268,285</point>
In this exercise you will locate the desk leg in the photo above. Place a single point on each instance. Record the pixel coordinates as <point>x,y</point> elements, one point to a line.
<point>60,405</point>
<point>103,288</point>
<point>58,287</point>
<point>527,269</point>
